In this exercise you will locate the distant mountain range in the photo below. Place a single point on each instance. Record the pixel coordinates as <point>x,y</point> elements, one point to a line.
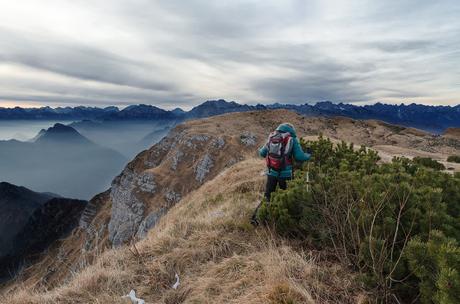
<point>30,221</point>
<point>48,113</point>
<point>431,118</point>
<point>60,160</point>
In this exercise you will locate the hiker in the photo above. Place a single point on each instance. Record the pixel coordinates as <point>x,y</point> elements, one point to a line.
<point>281,149</point>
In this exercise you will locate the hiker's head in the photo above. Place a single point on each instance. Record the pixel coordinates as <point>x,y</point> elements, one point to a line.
<point>287,127</point>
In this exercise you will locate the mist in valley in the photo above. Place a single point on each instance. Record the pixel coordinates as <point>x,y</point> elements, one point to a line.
<point>24,130</point>
<point>75,162</point>
<point>127,137</point>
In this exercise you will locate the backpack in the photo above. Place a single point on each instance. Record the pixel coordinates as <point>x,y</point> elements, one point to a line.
<point>279,153</point>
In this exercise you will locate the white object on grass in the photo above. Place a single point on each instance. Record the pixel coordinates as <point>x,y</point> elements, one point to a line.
<point>176,285</point>
<point>132,296</point>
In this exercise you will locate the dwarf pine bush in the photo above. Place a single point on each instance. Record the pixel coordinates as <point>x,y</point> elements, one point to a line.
<point>397,224</point>
<point>454,159</point>
<point>428,162</point>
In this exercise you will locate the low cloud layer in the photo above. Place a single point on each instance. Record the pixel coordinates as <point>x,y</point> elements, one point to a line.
<point>179,53</point>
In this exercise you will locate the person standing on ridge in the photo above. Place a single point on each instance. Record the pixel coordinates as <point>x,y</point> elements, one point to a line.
<point>281,149</point>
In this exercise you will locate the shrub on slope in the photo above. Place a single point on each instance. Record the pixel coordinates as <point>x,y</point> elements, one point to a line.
<point>429,163</point>
<point>398,223</point>
<point>454,159</point>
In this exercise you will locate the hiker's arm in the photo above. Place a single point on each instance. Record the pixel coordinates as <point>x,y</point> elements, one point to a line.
<point>299,155</point>
<point>263,151</point>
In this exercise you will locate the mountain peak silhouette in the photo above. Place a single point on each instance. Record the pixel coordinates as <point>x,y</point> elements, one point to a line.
<point>61,133</point>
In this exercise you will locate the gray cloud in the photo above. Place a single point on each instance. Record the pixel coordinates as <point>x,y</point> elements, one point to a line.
<point>181,52</point>
<point>393,46</point>
<point>332,83</point>
<point>76,60</point>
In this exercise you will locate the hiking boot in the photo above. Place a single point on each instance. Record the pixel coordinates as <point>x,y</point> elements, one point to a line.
<point>254,221</point>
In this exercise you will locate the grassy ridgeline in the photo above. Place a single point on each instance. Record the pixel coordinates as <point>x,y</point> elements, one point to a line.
<point>397,224</point>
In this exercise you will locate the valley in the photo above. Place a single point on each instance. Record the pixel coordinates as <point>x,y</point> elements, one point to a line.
<point>59,160</point>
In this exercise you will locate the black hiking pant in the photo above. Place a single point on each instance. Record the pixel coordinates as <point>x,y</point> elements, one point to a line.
<point>272,182</point>
<point>270,187</point>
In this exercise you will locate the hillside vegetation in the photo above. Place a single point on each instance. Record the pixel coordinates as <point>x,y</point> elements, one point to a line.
<point>207,240</point>
<point>397,224</point>
<point>454,159</point>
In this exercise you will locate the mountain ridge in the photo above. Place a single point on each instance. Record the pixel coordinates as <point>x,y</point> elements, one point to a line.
<point>30,221</point>
<point>430,118</point>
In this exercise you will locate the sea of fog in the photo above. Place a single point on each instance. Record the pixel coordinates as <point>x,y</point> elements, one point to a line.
<point>73,169</point>
<point>24,129</point>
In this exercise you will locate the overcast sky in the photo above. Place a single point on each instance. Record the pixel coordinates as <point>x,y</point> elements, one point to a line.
<point>179,53</point>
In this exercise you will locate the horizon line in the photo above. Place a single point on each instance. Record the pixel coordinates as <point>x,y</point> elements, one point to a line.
<point>122,107</point>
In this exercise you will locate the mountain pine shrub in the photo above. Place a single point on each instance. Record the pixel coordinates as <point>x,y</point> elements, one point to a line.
<point>429,163</point>
<point>397,224</point>
<point>454,159</point>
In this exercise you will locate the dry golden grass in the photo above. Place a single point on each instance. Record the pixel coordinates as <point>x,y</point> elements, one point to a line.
<point>219,256</point>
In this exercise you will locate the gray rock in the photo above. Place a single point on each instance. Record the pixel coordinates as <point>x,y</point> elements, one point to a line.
<point>154,156</point>
<point>191,141</point>
<point>200,137</point>
<point>88,214</point>
<point>231,162</point>
<point>203,168</point>
<point>93,237</point>
<point>172,197</point>
<point>218,143</point>
<point>127,209</point>
<point>150,164</point>
<point>176,158</point>
<point>248,138</point>
<point>146,182</point>
<point>148,223</point>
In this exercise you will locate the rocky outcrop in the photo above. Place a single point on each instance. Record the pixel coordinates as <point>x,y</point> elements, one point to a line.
<point>172,196</point>
<point>248,138</point>
<point>160,176</point>
<point>88,214</point>
<point>203,167</point>
<point>218,143</point>
<point>127,208</point>
<point>148,223</point>
<point>176,158</point>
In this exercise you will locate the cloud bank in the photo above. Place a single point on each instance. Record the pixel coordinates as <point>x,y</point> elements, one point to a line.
<point>179,53</point>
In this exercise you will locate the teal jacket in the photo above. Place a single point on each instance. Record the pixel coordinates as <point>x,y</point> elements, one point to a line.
<point>297,153</point>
